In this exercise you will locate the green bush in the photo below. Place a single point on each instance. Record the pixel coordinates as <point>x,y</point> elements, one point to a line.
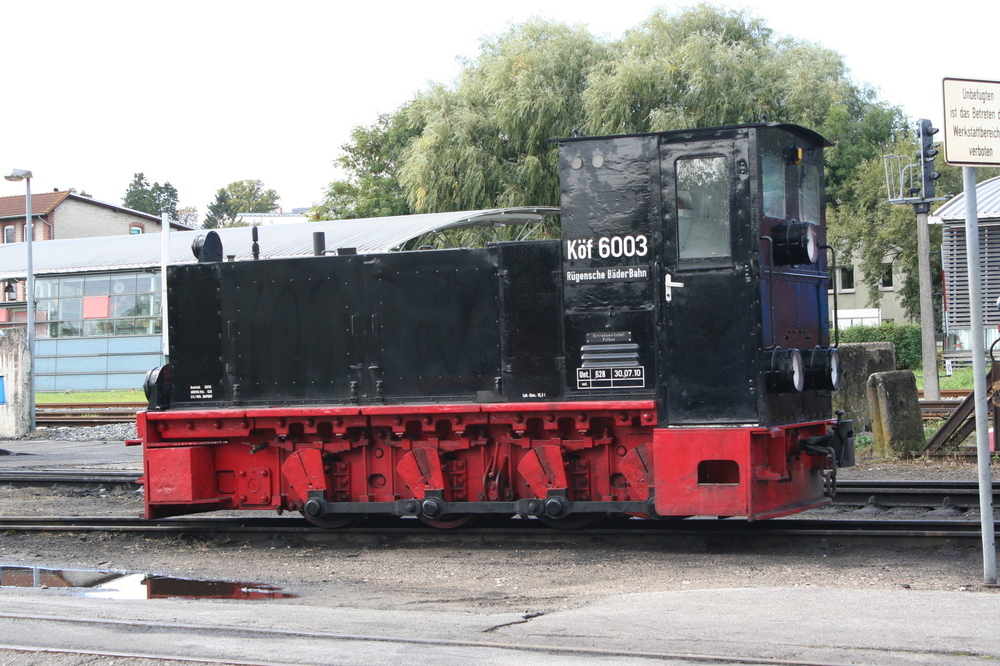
<point>905,337</point>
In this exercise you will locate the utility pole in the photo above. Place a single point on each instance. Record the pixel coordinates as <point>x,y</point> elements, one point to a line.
<point>925,134</point>
<point>920,196</point>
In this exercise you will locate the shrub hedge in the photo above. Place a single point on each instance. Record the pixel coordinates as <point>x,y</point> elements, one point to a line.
<point>905,337</point>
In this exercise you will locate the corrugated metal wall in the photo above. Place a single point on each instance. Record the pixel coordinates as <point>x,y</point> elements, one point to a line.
<point>956,274</point>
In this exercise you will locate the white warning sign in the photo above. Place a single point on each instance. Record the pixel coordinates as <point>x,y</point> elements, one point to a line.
<point>971,122</point>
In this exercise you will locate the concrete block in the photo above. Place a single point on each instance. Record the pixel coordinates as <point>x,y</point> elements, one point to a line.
<point>15,415</point>
<point>897,426</point>
<point>858,360</point>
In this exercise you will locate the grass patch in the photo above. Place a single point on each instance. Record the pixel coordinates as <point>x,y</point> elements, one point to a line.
<point>960,379</point>
<point>125,395</point>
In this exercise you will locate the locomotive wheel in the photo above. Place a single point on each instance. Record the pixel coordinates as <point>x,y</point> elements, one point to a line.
<point>450,521</point>
<point>580,521</point>
<point>334,522</point>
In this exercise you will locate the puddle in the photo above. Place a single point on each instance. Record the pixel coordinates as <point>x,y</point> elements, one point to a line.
<point>111,585</point>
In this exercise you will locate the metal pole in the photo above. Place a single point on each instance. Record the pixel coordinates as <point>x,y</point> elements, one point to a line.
<point>29,285</point>
<point>164,261</point>
<point>928,346</point>
<point>979,375</point>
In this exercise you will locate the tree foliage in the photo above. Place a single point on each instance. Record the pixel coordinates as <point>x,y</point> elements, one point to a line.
<point>154,199</point>
<point>188,216</point>
<point>484,142</point>
<point>864,225</point>
<point>241,196</point>
<point>371,159</point>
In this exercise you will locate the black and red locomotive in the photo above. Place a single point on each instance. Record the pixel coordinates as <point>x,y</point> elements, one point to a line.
<point>669,356</point>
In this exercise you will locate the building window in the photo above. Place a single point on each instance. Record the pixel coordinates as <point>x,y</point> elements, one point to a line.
<point>136,228</point>
<point>10,234</point>
<point>847,279</point>
<point>885,282</point>
<point>99,305</point>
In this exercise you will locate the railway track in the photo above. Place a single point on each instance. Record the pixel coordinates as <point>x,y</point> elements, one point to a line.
<point>529,531</point>
<point>888,494</point>
<point>32,477</point>
<point>76,414</point>
<point>925,494</point>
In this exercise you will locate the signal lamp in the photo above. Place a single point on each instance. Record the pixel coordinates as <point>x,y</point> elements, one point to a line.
<point>925,133</point>
<point>784,371</point>
<point>822,369</point>
<point>795,243</point>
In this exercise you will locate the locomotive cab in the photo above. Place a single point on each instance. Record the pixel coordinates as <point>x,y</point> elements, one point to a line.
<point>694,273</point>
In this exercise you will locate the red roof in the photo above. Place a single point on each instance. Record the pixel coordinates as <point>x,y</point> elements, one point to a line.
<point>41,204</point>
<point>45,203</point>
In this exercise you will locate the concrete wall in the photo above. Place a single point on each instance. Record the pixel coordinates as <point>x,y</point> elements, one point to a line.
<point>15,416</point>
<point>897,426</point>
<point>78,219</point>
<point>858,361</point>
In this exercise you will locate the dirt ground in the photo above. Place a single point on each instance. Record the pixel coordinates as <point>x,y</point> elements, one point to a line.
<point>497,574</point>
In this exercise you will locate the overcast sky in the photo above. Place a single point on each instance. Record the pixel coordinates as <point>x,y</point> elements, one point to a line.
<point>204,93</point>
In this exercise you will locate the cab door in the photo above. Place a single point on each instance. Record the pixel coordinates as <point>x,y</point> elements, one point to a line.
<point>708,309</point>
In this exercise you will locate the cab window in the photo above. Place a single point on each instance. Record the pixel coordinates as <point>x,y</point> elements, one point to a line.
<point>773,172</point>
<point>810,193</point>
<point>702,208</point>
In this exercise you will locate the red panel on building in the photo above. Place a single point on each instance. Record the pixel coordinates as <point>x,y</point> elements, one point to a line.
<point>96,307</point>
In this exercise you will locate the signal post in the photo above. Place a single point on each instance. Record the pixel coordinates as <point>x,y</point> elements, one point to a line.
<point>971,139</point>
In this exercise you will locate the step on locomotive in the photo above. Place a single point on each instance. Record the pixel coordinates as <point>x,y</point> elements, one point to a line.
<point>669,356</point>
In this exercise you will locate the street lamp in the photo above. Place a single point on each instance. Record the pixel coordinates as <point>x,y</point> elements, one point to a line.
<point>29,232</point>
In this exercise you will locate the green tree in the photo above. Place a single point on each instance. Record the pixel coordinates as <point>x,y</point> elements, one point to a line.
<point>249,196</point>
<point>371,161</point>
<point>484,142</point>
<point>221,212</point>
<point>154,199</point>
<point>241,196</point>
<point>864,225</point>
<point>700,67</point>
<point>705,67</point>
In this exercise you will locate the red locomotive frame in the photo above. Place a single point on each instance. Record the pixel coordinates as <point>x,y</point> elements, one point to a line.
<point>445,462</point>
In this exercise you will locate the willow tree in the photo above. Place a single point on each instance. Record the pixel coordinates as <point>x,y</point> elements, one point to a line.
<point>701,67</point>
<point>371,160</point>
<point>485,143</point>
<point>706,67</point>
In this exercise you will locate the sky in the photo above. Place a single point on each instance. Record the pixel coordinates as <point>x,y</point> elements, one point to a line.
<point>205,93</point>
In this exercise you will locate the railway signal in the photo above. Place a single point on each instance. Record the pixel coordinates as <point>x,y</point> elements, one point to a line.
<point>928,149</point>
<point>901,182</point>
